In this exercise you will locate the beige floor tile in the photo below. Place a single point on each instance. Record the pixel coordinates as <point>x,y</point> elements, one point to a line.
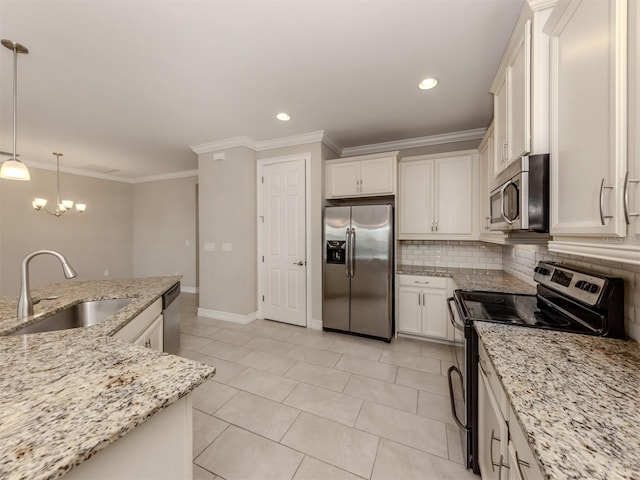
<point>317,340</point>
<point>319,376</point>
<point>258,415</point>
<point>205,430</point>
<point>273,387</point>
<point>223,350</point>
<point>396,396</point>
<point>357,348</point>
<point>241,455</point>
<point>368,368</point>
<point>336,444</point>
<point>429,382</point>
<point>192,342</point>
<point>316,356</point>
<point>272,329</point>
<point>396,461</point>
<point>267,362</point>
<point>437,350</point>
<point>325,403</point>
<point>268,345</point>
<point>454,443</point>
<point>210,396</point>
<point>412,430</point>
<point>312,469</point>
<point>434,406</point>
<point>198,330</point>
<point>225,371</point>
<point>405,345</point>
<point>231,336</point>
<point>417,362</point>
<point>200,473</point>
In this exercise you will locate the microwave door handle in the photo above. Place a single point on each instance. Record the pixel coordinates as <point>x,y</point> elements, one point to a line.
<point>504,216</point>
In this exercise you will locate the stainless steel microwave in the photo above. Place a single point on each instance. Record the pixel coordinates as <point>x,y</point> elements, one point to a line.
<point>519,198</point>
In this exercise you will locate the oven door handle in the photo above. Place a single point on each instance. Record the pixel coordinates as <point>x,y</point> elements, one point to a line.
<point>452,369</point>
<point>452,317</point>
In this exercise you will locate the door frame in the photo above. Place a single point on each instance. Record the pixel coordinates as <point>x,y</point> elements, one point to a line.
<point>263,162</point>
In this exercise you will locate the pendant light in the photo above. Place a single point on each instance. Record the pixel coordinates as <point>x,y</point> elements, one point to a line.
<point>62,206</point>
<point>14,169</point>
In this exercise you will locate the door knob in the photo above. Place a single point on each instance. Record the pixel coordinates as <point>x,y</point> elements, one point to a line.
<point>300,263</point>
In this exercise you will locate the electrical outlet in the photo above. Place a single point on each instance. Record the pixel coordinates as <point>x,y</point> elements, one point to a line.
<point>106,273</point>
<point>209,247</point>
<point>226,247</point>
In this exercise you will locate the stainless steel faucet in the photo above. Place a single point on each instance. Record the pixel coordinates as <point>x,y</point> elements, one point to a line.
<point>25,303</point>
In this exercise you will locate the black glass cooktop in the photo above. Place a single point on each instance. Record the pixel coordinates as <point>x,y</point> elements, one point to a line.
<point>537,311</point>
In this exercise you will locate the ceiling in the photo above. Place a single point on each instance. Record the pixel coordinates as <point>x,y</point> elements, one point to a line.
<point>128,86</point>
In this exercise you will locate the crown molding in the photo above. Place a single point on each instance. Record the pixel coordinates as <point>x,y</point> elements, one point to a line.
<point>233,142</point>
<point>461,136</point>
<point>537,5</point>
<point>290,141</point>
<point>165,176</point>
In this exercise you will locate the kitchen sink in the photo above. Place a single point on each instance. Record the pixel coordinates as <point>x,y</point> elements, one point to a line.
<point>79,315</point>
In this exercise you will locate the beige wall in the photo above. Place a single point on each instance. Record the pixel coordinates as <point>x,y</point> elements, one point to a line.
<point>164,229</point>
<point>227,214</point>
<point>99,239</point>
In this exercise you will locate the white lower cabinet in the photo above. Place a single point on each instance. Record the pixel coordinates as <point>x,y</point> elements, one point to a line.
<point>422,306</point>
<point>146,328</point>
<point>503,449</point>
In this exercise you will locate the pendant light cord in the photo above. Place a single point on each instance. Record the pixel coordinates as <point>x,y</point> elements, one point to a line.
<point>15,98</point>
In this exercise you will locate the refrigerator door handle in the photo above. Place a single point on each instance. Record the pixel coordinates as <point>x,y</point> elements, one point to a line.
<point>352,253</point>
<point>347,260</point>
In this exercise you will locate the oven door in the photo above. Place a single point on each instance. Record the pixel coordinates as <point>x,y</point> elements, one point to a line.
<point>457,377</point>
<point>506,205</point>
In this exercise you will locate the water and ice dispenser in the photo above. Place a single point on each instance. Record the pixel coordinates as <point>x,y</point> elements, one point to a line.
<point>336,251</point>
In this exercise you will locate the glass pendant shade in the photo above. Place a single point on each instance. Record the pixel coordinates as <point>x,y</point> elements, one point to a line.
<point>14,169</point>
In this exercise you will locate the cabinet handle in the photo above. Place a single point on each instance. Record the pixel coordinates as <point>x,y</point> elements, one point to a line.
<point>493,438</point>
<point>436,225</point>
<point>482,364</point>
<point>421,283</point>
<point>423,299</point>
<point>602,215</point>
<point>502,464</point>
<point>505,153</point>
<point>627,181</point>
<point>432,225</point>
<point>419,299</point>
<point>147,343</point>
<point>521,463</point>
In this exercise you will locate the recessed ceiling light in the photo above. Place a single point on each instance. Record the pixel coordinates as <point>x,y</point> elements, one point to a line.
<point>285,117</point>
<point>428,84</point>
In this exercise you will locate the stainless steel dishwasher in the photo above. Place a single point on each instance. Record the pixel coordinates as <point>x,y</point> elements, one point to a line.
<point>171,314</point>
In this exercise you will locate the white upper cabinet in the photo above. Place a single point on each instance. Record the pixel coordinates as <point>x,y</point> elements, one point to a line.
<point>487,158</point>
<point>521,91</point>
<point>363,176</point>
<point>631,188</point>
<point>438,196</point>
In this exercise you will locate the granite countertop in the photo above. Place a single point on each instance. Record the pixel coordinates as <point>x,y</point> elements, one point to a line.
<point>66,395</point>
<point>577,397</point>
<point>473,279</point>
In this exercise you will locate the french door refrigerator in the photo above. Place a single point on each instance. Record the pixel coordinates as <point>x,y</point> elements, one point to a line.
<point>357,270</point>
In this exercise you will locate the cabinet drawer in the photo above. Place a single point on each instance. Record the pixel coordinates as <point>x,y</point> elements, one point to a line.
<point>136,327</point>
<point>422,281</point>
<point>494,383</point>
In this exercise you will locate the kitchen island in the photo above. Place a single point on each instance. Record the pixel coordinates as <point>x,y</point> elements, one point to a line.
<point>576,397</point>
<point>68,395</point>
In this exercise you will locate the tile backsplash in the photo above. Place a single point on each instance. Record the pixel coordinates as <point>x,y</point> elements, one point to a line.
<point>519,261</point>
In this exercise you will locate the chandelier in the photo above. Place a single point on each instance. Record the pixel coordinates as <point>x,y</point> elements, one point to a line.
<point>14,169</point>
<point>62,206</point>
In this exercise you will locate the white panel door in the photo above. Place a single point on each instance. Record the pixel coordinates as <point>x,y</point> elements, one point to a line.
<point>454,186</point>
<point>284,242</point>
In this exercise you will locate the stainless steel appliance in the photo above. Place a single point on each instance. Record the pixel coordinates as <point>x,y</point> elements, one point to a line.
<point>171,319</point>
<point>519,198</point>
<point>567,300</point>
<point>357,270</point>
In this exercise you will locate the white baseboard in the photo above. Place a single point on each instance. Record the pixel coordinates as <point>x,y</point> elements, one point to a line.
<point>185,289</point>
<point>315,324</point>
<point>227,316</point>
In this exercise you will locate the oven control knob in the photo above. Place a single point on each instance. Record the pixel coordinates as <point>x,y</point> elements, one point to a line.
<point>580,284</point>
<point>541,270</point>
<point>593,288</point>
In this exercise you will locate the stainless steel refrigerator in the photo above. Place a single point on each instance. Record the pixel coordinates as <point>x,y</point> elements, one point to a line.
<point>358,265</point>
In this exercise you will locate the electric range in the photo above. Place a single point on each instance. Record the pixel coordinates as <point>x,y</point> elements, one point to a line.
<point>567,300</point>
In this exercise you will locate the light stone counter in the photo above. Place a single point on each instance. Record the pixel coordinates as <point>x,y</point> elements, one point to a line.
<point>472,279</point>
<point>577,398</point>
<point>66,395</point>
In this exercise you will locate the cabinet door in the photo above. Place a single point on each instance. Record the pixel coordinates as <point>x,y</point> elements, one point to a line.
<point>416,197</point>
<point>492,433</point>
<point>152,337</point>
<point>519,97</point>
<point>409,310</point>
<point>588,96</point>
<point>522,463</point>
<point>377,177</point>
<point>500,125</point>
<point>434,313</point>
<point>633,178</point>
<point>454,194</point>
<point>343,179</point>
